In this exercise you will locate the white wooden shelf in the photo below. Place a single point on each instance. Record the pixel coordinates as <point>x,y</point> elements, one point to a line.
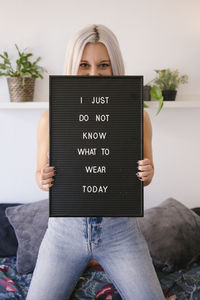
<point>24,105</point>
<point>175,104</point>
<point>45,104</point>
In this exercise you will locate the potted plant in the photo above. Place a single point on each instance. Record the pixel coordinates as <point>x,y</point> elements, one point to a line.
<point>168,81</point>
<point>21,81</point>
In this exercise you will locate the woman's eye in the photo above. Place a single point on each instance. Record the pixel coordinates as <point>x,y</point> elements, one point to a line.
<point>104,65</point>
<point>83,65</point>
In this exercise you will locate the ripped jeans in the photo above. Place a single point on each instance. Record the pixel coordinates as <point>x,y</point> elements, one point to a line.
<point>118,245</point>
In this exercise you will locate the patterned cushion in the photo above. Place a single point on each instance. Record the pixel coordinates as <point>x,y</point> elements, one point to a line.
<point>8,244</point>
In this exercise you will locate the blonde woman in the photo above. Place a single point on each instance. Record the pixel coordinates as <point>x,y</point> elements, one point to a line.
<point>72,243</point>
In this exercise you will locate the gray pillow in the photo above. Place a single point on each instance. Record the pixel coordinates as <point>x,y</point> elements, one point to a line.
<point>172,232</point>
<point>30,223</point>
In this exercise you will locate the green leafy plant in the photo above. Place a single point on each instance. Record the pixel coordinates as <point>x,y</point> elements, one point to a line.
<point>156,94</point>
<point>168,79</point>
<point>24,67</point>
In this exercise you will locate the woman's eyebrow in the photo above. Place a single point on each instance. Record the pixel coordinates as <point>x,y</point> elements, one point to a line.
<point>105,60</point>
<point>84,60</point>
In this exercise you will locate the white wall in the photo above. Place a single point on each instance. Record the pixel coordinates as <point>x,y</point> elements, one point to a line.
<point>176,149</point>
<point>153,35</point>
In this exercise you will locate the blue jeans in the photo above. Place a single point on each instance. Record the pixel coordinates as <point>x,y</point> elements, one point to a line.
<point>118,245</point>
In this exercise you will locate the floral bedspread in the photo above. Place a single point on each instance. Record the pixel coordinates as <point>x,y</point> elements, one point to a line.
<point>95,284</point>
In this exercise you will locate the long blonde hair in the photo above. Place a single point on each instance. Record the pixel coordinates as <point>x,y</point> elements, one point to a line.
<point>93,34</point>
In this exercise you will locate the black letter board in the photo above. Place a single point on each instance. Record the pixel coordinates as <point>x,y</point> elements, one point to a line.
<point>96,139</point>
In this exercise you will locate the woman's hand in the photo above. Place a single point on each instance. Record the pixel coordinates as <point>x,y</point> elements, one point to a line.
<point>46,176</point>
<point>146,171</point>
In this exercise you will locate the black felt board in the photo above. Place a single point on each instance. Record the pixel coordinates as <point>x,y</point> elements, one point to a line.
<point>113,120</point>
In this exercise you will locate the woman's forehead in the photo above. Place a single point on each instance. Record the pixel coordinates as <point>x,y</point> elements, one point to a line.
<point>96,51</point>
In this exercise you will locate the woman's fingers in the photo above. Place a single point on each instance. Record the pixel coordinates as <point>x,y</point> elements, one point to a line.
<point>144,178</point>
<point>46,187</point>
<point>144,174</point>
<point>146,169</point>
<point>47,172</point>
<point>145,161</point>
<point>46,178</point>
<point>46,181</point>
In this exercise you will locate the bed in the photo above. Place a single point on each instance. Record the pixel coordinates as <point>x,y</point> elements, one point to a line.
<point>179,279</point>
